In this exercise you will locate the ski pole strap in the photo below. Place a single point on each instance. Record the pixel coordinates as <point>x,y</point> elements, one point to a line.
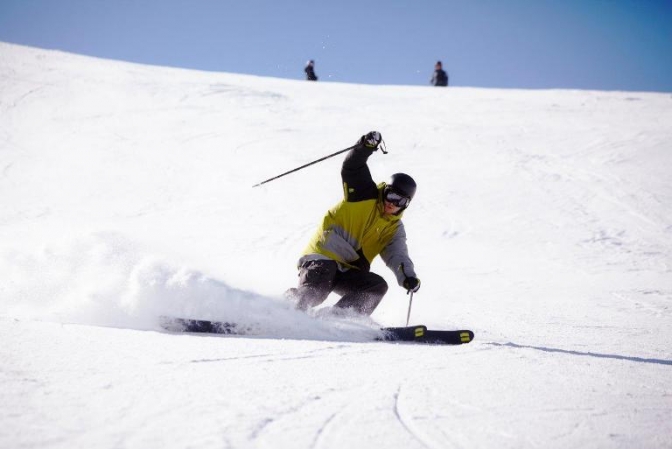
<point>382,147</point>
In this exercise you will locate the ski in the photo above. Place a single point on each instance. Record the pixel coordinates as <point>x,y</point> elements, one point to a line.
<point>420,334</point>
<point>456,337</point>
<point>410,334</point>
<point>174,324</point>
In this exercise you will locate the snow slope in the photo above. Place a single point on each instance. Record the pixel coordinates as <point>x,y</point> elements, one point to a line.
<point>543,221</point>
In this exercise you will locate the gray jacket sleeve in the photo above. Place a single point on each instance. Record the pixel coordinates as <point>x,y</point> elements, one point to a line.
<point>395,256</point>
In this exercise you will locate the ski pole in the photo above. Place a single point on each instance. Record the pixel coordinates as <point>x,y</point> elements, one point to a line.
<point>410,303</point>
<point>304,166</point>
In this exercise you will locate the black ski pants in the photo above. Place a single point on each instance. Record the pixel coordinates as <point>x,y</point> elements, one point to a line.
<point>360,290</point>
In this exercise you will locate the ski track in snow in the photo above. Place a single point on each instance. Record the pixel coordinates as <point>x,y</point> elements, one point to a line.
<point>542,222</point>
<point>407,423</point>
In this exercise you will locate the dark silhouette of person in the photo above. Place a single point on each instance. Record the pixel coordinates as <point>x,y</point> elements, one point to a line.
<point>440,77</point>
<point>310,71</point>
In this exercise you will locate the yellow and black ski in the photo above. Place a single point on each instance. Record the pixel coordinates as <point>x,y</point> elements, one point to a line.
<point>414,334</point>
<point>420,334</point>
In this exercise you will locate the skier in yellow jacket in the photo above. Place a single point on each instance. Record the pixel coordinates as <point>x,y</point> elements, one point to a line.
<point>366,223</point>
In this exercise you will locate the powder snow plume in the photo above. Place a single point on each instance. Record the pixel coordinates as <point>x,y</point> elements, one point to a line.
<point>107,280</point>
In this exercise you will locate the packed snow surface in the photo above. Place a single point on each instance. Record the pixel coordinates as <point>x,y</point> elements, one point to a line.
<point>543,222</point>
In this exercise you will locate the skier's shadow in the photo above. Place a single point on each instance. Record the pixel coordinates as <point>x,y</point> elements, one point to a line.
<point>587,354</point>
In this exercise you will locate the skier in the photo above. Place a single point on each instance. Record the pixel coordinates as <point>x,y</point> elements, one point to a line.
<point>310,71</point>
<point>440,77</point>
<point>367,222</point>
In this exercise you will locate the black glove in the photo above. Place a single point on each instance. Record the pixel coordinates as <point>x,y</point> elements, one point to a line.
<point>371,140</point>
<point>412,284</point>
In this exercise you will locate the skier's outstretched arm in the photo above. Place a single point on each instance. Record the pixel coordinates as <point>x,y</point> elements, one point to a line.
<point>358,183</point>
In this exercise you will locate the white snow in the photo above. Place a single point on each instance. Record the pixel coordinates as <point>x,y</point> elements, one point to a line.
<point>543,222</point>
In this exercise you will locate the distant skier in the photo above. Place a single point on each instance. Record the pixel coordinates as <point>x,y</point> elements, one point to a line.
<point>440,77</point>
<point>310,71</point>
<point>367,222</point>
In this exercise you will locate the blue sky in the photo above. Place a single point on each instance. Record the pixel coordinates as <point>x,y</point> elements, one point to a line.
<point>530,44</point>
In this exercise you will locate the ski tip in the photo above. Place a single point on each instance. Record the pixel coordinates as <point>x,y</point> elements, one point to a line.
<point>466,336</point>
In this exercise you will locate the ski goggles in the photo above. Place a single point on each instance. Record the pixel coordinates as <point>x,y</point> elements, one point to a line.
<point>396,199</point>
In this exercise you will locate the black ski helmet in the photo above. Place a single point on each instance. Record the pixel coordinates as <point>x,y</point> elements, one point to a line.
<point>402,184</point>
